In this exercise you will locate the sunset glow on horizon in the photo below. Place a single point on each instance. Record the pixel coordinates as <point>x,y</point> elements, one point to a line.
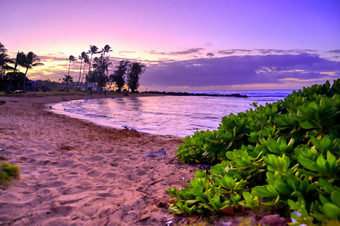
<point>221,44</point>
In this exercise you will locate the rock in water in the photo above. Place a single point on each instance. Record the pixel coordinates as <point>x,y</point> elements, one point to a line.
<point>159,153</point>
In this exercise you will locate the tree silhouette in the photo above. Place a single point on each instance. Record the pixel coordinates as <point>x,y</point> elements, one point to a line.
<point>4,63</point>
<point>5,60</point>
<point>71,59</point>
<point>119,74</point>
<point>15,79</point>
<point>82,58</point>
<point>134,73</point>
<point>86,61</point>
<point>68,79</point>
<point>81,66</point>
<point>2,48</point>
<point>93,50</point>
<point>101,66</point>
<point>30,60</point>
<point>106,49</point>
<point>91,78</point>
<point>19,61</point>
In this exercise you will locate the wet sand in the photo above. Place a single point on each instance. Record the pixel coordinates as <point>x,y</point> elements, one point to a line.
<point>76,173</point>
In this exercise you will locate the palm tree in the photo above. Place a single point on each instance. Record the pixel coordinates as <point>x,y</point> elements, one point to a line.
<point>2,48</point>
<point>81,65</point>
<point>19,60</point>
<point>4,61</point>
<point>71,59</point>
<point>101,66</point>
<point>106,49</point>
<point>68,79</point>
<point>93,50</point>
<point>30,60</point>
<point>86,61</point>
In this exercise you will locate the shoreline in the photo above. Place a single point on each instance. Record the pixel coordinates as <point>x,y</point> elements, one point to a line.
<point>50,108</point>
<point>77,172</point>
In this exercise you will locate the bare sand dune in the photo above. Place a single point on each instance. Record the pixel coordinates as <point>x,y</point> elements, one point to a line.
<point>76,173</point>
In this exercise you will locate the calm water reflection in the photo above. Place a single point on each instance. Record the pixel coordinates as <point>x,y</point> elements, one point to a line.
<point>165,115</point>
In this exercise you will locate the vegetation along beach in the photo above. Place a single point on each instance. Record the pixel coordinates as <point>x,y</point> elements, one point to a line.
<point>168,113</point>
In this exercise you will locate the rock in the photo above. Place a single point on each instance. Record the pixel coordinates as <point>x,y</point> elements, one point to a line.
<point>128,128</point>
<point>273,220</point>
<point>204,167</point>
<point>159,153</point>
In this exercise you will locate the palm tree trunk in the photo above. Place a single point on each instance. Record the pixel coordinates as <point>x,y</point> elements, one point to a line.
<point>69,65</point>
<point>90,62</point>
<point>90,67</point>
<point>11,79</point>
<point>82,77</point>
<point>9,88</point>
<point>81,64</point>
<point>24,84</point>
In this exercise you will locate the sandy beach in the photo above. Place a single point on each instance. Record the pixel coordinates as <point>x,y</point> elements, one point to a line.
<point>76,173</point>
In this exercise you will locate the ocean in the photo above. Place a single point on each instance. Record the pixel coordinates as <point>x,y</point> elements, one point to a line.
<point>165,115</point>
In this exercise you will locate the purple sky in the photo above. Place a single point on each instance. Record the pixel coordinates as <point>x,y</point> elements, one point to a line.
<point>187,44</point>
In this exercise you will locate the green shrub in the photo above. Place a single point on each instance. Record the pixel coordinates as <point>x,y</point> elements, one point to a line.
<point>8,171</point>
<point>283,155</point>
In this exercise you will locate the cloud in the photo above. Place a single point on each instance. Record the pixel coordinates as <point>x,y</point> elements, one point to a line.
<point>226,52</point>
<point>281,51</point>
<point>210,54</point>
<point>264,51</point>
<point>48,58</point>
<point>122,53</point>
<point>334,51</point>
<point>184,52</point>
<point>232,51</point>
<point>236,70</point>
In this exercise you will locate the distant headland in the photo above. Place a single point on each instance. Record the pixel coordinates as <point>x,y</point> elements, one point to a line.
<point>195,94</point>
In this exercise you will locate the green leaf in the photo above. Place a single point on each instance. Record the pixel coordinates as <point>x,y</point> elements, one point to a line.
<point>323,199</point>
<point>262,191</point>
<point>235,198</point>
<point>307,125</point>
<point>335,197</point>
<point>321,162</point>
<point>331,210</point>
<point>293,205</point>
<point>174,209</point>
<point>227,182</point>
<point>308,164</point>
<point>327,187</point>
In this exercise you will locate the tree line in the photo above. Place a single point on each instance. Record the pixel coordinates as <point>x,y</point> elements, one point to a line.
<point>97,75</point>
<point>93,71</point>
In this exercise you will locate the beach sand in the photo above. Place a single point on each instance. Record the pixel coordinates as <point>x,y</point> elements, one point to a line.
<point>76,173</point>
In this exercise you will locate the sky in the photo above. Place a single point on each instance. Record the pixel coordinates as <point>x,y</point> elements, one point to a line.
<point>186,44</point>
